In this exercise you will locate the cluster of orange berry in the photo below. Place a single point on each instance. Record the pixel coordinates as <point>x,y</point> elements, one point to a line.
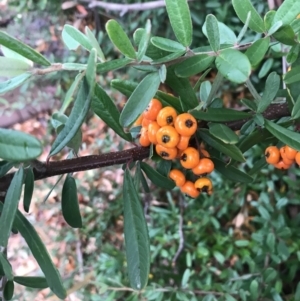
<point>282,158</point>
<point>171,133</point>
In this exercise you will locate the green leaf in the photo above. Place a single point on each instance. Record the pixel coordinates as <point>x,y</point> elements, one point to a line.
<point>76,118</point>
<point>144,42</point>
<point>220,115</point>
<point>224,133</point>
<point>293,54</point>
<point>284,135</point>
<point>274,27</point>
<point>104,107</point>
<point>194,65</point>
<point>22,49</point>
<point>271,240</point>
<point>230,150</point>
<point>8,292</point>
<point>139,99</point>
<point>267,65</point>
<point>28,188</point>
<point>270,91</point>
<point>296,109</point>
<point>126,87</point>
<point>157,178</point>
<point>12,67</point>
<point>285,35</point>
<point>233,65</point>
<point>257,51</point>
<point>254,290</point>
<point>170,57</point>
<point>10,206</point>
<point>226,35</point>
<point>113,65</point>
<point>94,43</point>
<point>297,293</point>
<point>162,71</point>
<point>257,166</point>
<point>250,104</point>
<point>212,29</point>
<point>40,253</point>
<point>169,100</point>
<point>5,166</point>
<point>14,55</point>
<point>14,82</point>
<point>232,173</point>
<point>120,39</point>
<point>72,37</point>
<point>91,69</point>
<point>74,67</point>
<point>244,29</point>
<point>292,76</point>
<point>18,146</point>
<point>167,45</point>
<point>268,19</point>
<point>136,236</point>
<point>33,282</point>
<point>6,266</point>
<point>242,7</point>
<point>287,11</point>
<point>70,204</point>
<point>205,89</point>
<point>181,22</point>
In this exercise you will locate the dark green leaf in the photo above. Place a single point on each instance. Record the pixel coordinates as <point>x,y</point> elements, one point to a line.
<point>274,27</point>
<point>254,290</point>
<point>251,104</point>
<point>181,22</point>
<point>14,82</point>
<point>231,172</point>
<point>286,136</point>
<point>163,167</point>
<point>257,166</point>
<point>220,115</point>
<point>271,240</point>
<point>8,292</point>
<point>169,100</point>
<point>119,38</point>
<point>5,166</point>
<point>104,107</point>
<point>139,99</point>
<point>136,236</point>
<point>194,65</point>
<point>242,7</point>
<point>285,35</point>
<point>6,266</point>
<point>144,42</point>
<point>293,54</point>
<point>170,57</point>
<point>296,109</point>
<point>224,133</point>
<point>212,30</point>
<point>267,65</point>
<point>10,206</point>
<point>292,76</point>
<point>217,103</point>
<point>257,51</point>
<point>233,65</point>
<point>33,282</point>
<point>297,293</point>
<point>70,204</point>
<point>230,150</point>
<point>287,11</point>
<point>28,188</point>
<point>22,49</point>
<point>113,65</point>
<point>268,19</point>
<point>157,178</point>
<point>126,87</point>
<point>248,127</point>
<point>167,45</point>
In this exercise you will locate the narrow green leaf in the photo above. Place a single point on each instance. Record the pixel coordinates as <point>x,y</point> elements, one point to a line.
<point>254,290</point>
<point>220,115</point>
<point>258,166</point>
<point>194,65</point>
<point>250,104</point>
<point>293,54</point>
<point>205,89</point>
<point>70,204</point>
<point>74,67</point>
<point>232,173</point>
<point>157,178</point>
<point>285,35</point>
<point>40,253</point>
<point>297,293</point>
<point>120,39</point>
<point>230,150</point>
<point>169,100</point>
<point>162,71</point>
<point>6,266</point>
<point>28,188</point>
<point>14,55</point>
<point>22,49</point>
<point>105,108</point>
<point>248,127</point>
<point>76,118</point>
<point>224,133</point>
<point>267,65</point>
<point>52,188</point>
<point>72,37</point>
<point>167,45</point>
<point>8,292</point>
<point>287,11</point>
<point>245,28</point>
<point>296,109</point>
<point>10,206</point>
<point>275,27</point>
<point>181,22</point>
<point>18,146</point>
<point>91,69</point>
<point>14,82</point>
<point>94,43</point>
<point>201,80</point>
<point>170,57</point>
<point>139,99</point>
<point>233,65</point>
<point>144,42</point>
<point>257,51</point>
<point>212,29</point>
<point>33,282</point>
<point>136,236</point>
<point>242,7</point>
<point>284,135</point>
<point>126,87</point>
<point>5,166</point>
<point>113,65</point>
<point>292,76</point>
<point>268,19</point>
<point>12,67</point>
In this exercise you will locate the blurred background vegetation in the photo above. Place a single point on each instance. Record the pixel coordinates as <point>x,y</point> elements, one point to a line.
<point>241,243</point>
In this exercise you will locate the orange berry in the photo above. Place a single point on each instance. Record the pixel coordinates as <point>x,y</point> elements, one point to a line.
<point>189,189</point>
<point>138,121</point>
<point>183,142</point>
<point>282,165</point>
<point>205,166</point>
<point>166,153</point>
<point>153,127</point>
<point>297,158</point>
<point>272,154</point>
<point>204,185</point>
<point>144,139</point>
<point>167,136</point>
<point>189,158</point>
<point>177,176</point>
<point>146,122</point>
<point>185,124</point>
<point>153,109</point>
<point>166,116</point>
<point>289,152</point>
